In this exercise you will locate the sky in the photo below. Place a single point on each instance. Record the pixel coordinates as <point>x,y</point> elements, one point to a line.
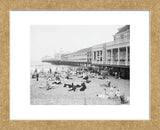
<point>46,40</point>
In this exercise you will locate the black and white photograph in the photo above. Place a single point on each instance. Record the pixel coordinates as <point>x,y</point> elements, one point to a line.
<point>80,64</point>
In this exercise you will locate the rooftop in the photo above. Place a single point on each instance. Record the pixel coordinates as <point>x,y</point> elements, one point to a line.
<point>79,51</point>
<point>124,28</point>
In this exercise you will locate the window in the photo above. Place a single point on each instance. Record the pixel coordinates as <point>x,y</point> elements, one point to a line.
<point>97,53</point>
<point>94,55</point>
<point>122,36</point>
<point>101,53</point>
<point>114,38</point>
<point>100,58</point>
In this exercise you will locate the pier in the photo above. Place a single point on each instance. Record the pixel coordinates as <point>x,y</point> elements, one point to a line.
<point>61,62</point>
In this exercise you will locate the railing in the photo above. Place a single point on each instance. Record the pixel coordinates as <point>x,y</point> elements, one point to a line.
<point>122,62</point>
<point>115,62</point>
<point>122,40</point>
<point>112,62</point>
<point>97,62</point>
<point>108,62</point>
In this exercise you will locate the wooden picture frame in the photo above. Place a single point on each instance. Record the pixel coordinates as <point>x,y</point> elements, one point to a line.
<point>152,5</point>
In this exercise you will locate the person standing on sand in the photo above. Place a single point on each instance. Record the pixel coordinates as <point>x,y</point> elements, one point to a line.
<point>50,71</point>
<point>116,75</point>
<point>37,76</point>
<point>108,83</point>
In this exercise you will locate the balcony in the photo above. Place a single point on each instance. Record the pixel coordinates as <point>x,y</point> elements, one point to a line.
<point>115,62</point>
<point>128,62</point>
<point>122,62</point>
<point>108,61</point>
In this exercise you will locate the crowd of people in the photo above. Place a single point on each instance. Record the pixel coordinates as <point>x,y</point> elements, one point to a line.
<point>55,78</point>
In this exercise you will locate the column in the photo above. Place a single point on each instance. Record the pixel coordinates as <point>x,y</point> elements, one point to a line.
<point>126,62</point>
<point>97,59</point>
<point>118,56</point>
<point>94,56</point>
<point>106,58</point>
<point>111,56</point>
<point>104,54</point>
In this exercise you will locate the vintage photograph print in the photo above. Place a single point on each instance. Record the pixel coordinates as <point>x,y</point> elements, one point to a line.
<point>80,65</point>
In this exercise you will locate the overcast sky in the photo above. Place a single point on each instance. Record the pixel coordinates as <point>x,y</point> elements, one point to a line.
<point>48,40</point>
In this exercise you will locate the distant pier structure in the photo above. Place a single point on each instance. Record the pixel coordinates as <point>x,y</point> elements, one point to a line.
<point>114,55</point>
<point>60,62</point>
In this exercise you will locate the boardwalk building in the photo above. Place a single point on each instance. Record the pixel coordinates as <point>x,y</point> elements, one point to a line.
<point>118,52</point>
<point>115,54</point>
<point>82,56</point>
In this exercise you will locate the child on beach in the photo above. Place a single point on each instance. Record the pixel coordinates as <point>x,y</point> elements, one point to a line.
<point>112,92</point>
<point>108,82</point>
<point>117,93</point>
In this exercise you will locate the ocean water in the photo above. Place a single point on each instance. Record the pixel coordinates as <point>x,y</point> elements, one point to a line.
<point>47,66</point>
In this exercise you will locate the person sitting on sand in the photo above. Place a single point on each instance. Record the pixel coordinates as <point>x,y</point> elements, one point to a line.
<point>111,92</point>
<point>68,85</point>
<point>73,88</point>
<point>105,95</point>
<point>57,79</point>
<point>57,82</point>
<point>86,78</point>
<point>124,99</point>
<point>83,87</point>
<point>102,96</point>
<point>111,88</point>
<point>117,93</point>
<point>67,75</point>
<point>48,83</point>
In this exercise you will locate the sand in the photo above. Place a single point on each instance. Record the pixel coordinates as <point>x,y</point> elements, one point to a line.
<point>59,95</point>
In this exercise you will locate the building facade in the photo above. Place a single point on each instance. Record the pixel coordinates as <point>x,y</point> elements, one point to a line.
<point>83,55</point>
<point>114,54</point>
<point>98,53</point>
<point>118,52</point>
<point>57,56</point>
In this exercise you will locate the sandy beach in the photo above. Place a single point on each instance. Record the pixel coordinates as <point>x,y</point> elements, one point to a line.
<point>60,95</point>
